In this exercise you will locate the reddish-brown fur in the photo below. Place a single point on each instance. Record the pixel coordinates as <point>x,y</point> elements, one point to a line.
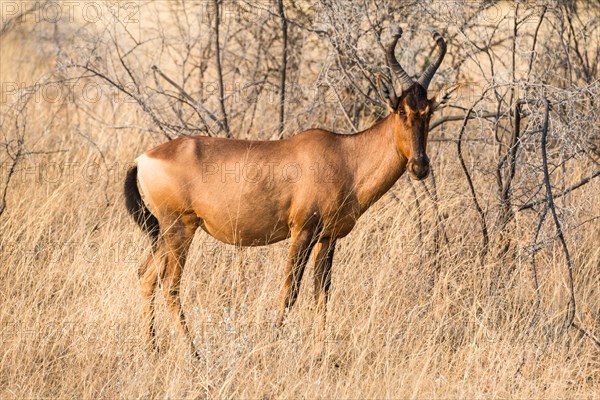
<point>311,187</point>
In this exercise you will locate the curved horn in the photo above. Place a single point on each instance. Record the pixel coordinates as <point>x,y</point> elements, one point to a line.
<point>425,78</point>
<point>405,80</point>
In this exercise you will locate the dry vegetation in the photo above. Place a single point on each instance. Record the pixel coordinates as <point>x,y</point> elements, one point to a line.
<point>443,290</point>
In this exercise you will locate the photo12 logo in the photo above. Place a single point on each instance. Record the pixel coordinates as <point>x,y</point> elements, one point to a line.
<point>126,13</point>
<point>233,11</point>
<point>71,91</point>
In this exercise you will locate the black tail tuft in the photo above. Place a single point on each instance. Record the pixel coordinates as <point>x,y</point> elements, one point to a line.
<point>136,207</point>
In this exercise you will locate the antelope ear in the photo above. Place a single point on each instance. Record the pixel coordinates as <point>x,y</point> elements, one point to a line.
<point>387,92</point>
<point>441,98</point>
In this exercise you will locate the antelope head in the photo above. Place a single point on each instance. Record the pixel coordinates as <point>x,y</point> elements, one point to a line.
<point>411,107</point>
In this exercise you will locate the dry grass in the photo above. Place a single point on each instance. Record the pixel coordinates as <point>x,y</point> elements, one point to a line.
<point>403,323</point>
<point>71,311</point>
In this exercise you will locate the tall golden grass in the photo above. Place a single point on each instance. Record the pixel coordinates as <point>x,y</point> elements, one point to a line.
<point>403,322</point>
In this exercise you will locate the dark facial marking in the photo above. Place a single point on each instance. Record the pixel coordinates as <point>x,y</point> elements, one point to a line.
<point>415,99</point>
<point>415,109</point>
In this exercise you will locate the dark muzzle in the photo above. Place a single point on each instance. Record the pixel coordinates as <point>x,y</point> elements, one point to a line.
<point>419,168</point>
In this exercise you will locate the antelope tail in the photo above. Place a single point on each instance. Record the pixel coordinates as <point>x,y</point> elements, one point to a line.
<point>136,207</point>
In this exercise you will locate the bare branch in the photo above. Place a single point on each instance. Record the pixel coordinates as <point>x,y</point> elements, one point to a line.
<point>196,103</point>
<point>220,69</point>
<point>561,194</point>
<point>284,40</point>
<point>549,196</point>
<point>484,230</point>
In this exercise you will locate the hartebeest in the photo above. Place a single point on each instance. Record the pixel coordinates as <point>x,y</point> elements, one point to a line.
<point>311,187</point>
